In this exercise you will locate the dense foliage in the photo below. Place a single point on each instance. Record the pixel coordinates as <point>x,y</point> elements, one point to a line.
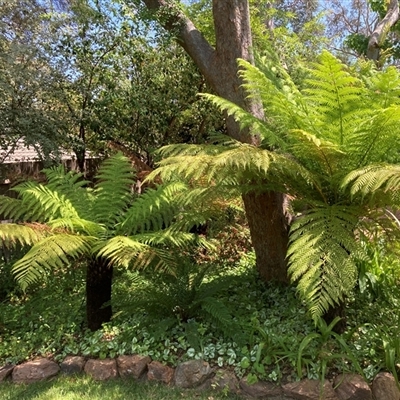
<point>274,339</point>
<point>176,255</point>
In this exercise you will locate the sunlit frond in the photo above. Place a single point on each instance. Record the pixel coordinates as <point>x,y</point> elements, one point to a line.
<point>51,252</point>
<point>321,255</point>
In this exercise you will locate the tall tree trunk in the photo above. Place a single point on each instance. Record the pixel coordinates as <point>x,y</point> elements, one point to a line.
<point>269,227</point>
<point>98,292</point>
<point>265,211</point>
<point>381,30</point>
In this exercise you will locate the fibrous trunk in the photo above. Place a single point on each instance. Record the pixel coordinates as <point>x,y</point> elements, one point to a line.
<point>98,293</point>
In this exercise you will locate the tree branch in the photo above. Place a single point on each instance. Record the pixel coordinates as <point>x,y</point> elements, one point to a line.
<point>188,36</point>
<point>381,30</point>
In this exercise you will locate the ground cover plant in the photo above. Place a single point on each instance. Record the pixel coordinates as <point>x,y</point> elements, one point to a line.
<point>275,338</point>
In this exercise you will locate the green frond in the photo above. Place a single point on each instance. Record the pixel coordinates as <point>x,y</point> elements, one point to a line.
<point>120,250</point>
<point>229,164</point>
<point>78,225</point>
<point>384,87</point>
<point>325,155</point>
<point>217,142</point>
<point>24,234</point>
<point>171,238</point>
<point>153,210</point>
<point>129,252</point>
<point>71,184</point>
<point>320,255</point>
<point>51,252</point>
<point>112,192</point>
<point>374,180</point>
<point>376,139</point>
<point>10,207</point>
<point>40,203</point>
<point>58,177</point>
<point>332,94</point>
<point>282,100</point>
<point>246,120</point>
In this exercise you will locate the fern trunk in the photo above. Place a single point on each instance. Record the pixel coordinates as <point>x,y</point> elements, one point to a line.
<point>269,230</point>
<point>338,310</point>
<point>98,293</point>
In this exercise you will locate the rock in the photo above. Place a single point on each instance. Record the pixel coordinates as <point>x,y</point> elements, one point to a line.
<point>308,389</point>
<point>384,387</point>
<point>352,387</point>
<point>191,374</point>
<point>34,371</point>
<point>73,365</point>
<point>225,381</point>
<point>5,372</point>
<point>160,372</point>
<point>132,366</point>
<point>102,370</point>
<point>260,389</point>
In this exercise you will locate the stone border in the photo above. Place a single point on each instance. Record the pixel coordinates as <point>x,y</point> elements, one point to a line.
<point>197,374</point>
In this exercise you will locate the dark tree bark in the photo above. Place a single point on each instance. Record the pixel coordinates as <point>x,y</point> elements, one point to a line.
<point>98,293</point>
<point>339,310</point>
<point>265,211</point>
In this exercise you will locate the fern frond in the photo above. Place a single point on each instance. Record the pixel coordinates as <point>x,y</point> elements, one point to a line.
<point>51,252</point>
<point>40,203</point>
<point>373,180</point>
<point>384,87</point>
<point>171,238</point>
<point>10,207</point>
<point>280,96</point>
<point>376,139</point>
<point>71,184</point>
<point>78,225</point>
<point>153,210</point>
<point>320,254</point>
<point>246,120</point>
<point>112,192</point>
<point>324,154</point>
<point>227,165</point>
<point>24,234</point>
<point>127,251</point>
<point>333,92</point>
<point>216,143</point>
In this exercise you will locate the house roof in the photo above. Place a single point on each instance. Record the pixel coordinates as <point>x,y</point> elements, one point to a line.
<point>22,153</point>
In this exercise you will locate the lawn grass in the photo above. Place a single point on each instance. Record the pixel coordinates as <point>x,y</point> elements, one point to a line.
<point>84,388</point>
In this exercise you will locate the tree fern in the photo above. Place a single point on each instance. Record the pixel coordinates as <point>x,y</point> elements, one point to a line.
<point>320,141</point>
<point>105,226</point>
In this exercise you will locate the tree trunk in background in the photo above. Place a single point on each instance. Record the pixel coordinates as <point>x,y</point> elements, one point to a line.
<point>381,30</point>
<point>269,230</point>
<point>98,293</point>
<point>265,211</point>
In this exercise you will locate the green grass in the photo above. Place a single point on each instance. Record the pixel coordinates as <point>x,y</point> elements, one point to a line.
<point>83,388</point>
